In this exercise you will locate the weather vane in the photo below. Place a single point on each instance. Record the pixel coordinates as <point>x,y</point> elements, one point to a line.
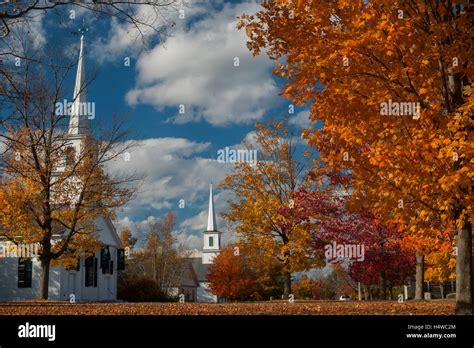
<point>83,30</point>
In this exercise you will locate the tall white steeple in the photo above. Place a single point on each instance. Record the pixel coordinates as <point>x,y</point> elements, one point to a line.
<point>79,122</point>
<point>212,237</point>
<point>211,219</point>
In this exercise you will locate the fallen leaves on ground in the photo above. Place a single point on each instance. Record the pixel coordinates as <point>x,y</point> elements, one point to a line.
<point>442,307</point>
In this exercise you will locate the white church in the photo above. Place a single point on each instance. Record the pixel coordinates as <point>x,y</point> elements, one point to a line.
<point>194,284</point>
<point>95,278</point>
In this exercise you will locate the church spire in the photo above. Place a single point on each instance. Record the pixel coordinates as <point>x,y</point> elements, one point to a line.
<point>211,219</point>
<point>212,237</point>
<point>79,122</point>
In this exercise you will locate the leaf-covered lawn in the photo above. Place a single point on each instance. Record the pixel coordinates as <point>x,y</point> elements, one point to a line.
<point>442,307</point>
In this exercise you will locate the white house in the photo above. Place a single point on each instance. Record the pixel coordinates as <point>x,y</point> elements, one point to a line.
<point>95,278</point>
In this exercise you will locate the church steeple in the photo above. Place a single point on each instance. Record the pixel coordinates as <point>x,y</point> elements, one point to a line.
<point>212,237</point>
<point>79,122</point>
<point>211,218</point>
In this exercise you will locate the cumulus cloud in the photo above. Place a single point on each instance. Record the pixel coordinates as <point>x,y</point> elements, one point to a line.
<point>251,139</point>
<point>196,68</point>
<point>197,222</point>
<point>191,242</point>
<point>174,171</point>
<point>125,39</point>
<point>37,31</point>
<point>301,119</point>
<point>26,35</point>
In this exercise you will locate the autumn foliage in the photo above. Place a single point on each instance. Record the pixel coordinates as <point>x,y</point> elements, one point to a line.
<point>230,277</point>
<point>352,61</point>
<point>383,260</point>
<point>243,272</point>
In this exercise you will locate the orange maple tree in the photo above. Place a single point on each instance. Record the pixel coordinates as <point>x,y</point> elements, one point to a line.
<point>229,276</point>
<point>243,272</point>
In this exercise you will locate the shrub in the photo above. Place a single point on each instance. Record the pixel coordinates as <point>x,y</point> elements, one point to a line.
<point>140,289</point>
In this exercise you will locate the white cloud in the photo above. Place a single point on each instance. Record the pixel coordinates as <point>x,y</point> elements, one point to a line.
<point>130,40</point>
<point>251,139</point>
<point>26,34</point>
<point>123,223</point>
<point>197,222</point>
<point>174,171</point>
<point>301,119</point>
<point>195,68</point>
<point>134,226</point>
<point>36,30</point>
<point>191,242</point>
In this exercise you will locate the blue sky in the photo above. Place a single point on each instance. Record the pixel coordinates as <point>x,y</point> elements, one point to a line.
<point>194,67</point>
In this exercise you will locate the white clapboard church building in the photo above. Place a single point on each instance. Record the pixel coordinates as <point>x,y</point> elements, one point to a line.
<point>95,278</point>
<point>194,284</point>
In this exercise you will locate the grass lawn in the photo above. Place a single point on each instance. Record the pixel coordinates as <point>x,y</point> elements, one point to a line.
<point>435,307</point>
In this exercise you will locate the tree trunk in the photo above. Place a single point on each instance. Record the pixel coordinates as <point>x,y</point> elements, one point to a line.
<point>383,281</point>
<point>366,293</point>
<point>287,288</point>
<point>383,285</point>
<point>464,286</point>
<point>464,281</point>
<point>420,275</point>
<point>44,289</point>
<point>45,265</point>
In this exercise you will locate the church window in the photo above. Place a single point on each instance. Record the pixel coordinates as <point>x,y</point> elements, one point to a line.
<point>120,259</point>
<point>108,268</point>
<point>104,257</point>
<point>91,272</point>
<point>106,263</point>
<point>25,268</point>
<point>211,241</point>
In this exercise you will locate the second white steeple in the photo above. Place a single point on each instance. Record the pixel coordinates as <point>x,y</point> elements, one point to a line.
<point>212,237</point>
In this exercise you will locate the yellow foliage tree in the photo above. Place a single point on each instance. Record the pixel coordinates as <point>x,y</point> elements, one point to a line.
<point>51,194</point>
<point>261,189</point>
